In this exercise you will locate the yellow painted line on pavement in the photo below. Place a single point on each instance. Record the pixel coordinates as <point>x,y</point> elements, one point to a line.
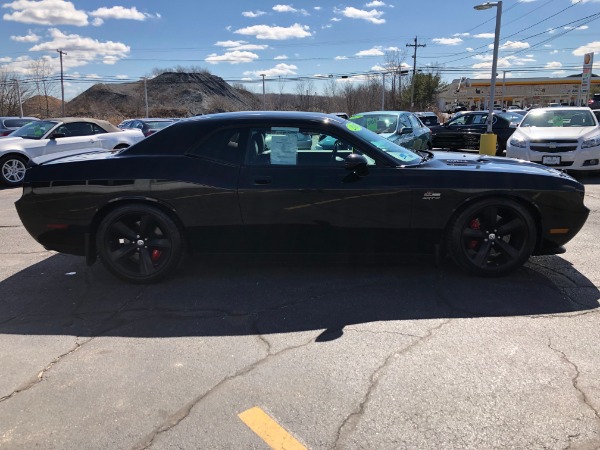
<point>269,430</point>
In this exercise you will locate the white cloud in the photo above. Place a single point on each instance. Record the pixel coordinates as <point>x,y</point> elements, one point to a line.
<point>281,69</point>
<point>119,12</point>
<point>553,65</point>
<point>587,48</point>
<point>335,19</point>
<point>372,16</point>
<point>375,51</point>
<point>470,49</point>
<point>290,9</point>
<point>276,33</point>
<point>585,1</point>
<point>559,73</point>
<point>484,36</point>
<point>510,45</point>
<point>122,77</point>
<point>253,14</point>
<point>233,57</point>
<point>281,57</point>
<point>460,34</point>
<point>375,4</point>
<point>45,12</point>
<point>447,41</point>
<point>5,59</point>
<point>30,37</point>
<point>503,62</point>
<point>241,45</point>
<point>340,58</point>
<point>82,50</point>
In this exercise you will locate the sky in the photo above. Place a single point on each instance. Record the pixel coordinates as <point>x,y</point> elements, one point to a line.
<point>317,42</point>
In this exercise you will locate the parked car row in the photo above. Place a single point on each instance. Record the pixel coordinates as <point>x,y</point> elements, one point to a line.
<point>58,137</point>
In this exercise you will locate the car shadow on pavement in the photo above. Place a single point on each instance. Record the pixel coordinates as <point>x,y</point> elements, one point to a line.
<point>247,295</point>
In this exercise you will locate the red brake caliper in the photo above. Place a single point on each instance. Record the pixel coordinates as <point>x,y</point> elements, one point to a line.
<point>155,255</point>
<point>474,225</point>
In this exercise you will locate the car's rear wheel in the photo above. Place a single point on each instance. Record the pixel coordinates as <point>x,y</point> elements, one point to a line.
<point>139,243</point>
<point>492,237</point>
<point>12,170</point>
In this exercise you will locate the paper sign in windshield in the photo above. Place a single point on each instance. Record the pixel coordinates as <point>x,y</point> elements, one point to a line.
<point>284,145</point>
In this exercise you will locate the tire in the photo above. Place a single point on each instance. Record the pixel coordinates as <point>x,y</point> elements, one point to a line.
<point>139,243</point>
<point>12,170</point>
<point>499,148</point>
<point>492,237</point>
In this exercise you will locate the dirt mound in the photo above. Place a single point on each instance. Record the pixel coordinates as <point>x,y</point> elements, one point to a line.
<point>171,94</point>
<point>42,106</point>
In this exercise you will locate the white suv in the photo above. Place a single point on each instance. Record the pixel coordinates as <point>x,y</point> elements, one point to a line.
<point>563,137</point>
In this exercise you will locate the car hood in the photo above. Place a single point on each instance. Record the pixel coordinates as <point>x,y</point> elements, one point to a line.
<point>474,161</point>
<point>535,133</point>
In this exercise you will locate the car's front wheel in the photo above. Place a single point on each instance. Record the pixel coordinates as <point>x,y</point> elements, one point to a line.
<point>139,243</point>
<point>492,237</point>
<point>12,170</point>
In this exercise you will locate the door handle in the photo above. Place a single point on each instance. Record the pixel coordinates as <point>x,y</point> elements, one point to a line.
<point>262,180</point>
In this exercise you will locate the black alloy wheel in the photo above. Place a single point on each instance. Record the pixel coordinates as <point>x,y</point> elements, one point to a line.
<point>492,237</point>
<point>12,170</point>
<point>139,243</point>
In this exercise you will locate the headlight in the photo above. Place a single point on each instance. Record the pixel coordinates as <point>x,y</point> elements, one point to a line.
<point>592,142</point>
<point>518,142</point>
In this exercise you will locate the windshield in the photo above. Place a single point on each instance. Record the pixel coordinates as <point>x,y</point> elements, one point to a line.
<point>34,130</point>
<point>401,154</point>
<point>558,118</point>
<point>378,123</point>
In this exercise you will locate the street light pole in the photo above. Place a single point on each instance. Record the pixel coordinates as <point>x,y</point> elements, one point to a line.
<point>488,5</point>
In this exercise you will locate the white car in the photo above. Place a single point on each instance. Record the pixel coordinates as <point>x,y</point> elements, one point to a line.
<point>565,137</point>
<point>53,136</point>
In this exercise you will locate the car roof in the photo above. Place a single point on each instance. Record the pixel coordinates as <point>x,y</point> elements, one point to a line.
<point>382,112</point>
<point>563,108</point>
<point>268,115</point>
<point>101,123</point>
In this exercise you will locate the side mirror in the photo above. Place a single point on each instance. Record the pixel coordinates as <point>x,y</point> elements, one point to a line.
<point>405,130</point>
<point>356,163</point>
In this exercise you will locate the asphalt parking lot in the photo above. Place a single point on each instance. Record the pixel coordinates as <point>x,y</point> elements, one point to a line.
<point>332,353</point>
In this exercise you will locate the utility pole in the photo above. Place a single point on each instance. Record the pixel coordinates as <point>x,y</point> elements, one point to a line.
<point>146,96</point>
<point>19,96</point>
<point>412,93</point>
<point>62,81</point>
<point>383,91</point>
<point>263,96</point>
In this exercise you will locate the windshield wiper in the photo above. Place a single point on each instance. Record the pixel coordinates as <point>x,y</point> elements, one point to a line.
<point>425,155</point>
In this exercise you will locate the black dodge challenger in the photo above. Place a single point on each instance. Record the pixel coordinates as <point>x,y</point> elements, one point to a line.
<point>237,182</point>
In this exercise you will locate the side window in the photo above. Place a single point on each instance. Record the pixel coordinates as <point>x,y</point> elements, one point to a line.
<point>78,129</point>
<point>223,146</point>
<point>460,120</point>
<point>97,129</point>
<point>404,121</point>
<point>289,146</point>
<point>414,121</point>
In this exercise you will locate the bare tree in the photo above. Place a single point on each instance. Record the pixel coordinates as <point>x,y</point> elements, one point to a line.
<point>44,85</point>
<point>9,95</point>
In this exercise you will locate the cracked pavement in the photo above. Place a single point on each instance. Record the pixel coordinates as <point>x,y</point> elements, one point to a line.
<point>344,354</point>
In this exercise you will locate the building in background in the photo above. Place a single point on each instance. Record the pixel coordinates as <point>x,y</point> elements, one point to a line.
<point>522,92</point>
